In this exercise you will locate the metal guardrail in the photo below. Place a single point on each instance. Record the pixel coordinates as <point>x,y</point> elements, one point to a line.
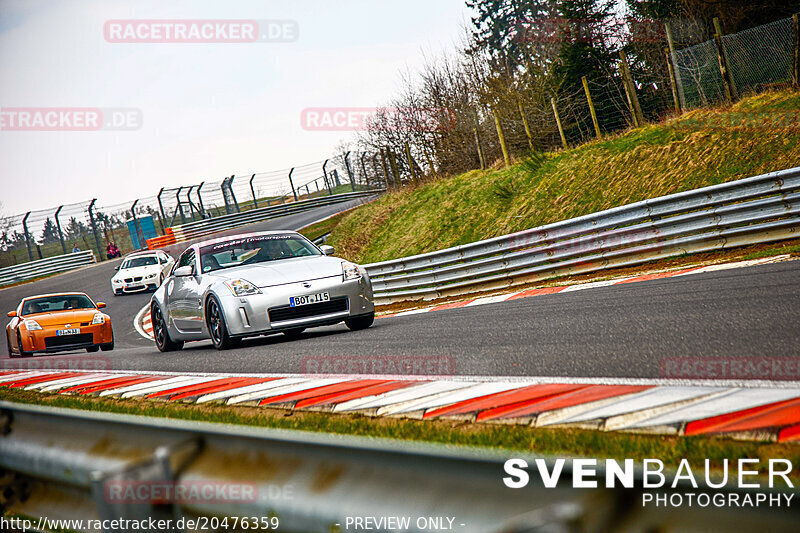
<point>748,211</point>
<point>202,228</point>
<point>45,267</point>
<point>71,464</point>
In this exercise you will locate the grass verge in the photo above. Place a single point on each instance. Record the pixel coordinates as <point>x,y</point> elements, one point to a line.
<point>681,154</point>
<point>315,231</point>
<point>560,442</point>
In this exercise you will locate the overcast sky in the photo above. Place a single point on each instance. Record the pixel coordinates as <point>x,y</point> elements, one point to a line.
<point>207,110</point>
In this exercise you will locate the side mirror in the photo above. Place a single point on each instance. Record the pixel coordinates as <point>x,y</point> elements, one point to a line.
<point>327,250</point>
<point>101,305</point>
<point>184,271</point>
<point>116,267</point>
<point>12,314</point>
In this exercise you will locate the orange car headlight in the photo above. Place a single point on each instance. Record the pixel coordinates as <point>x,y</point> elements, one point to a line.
<point>98,319</point>
<point>32,325</point>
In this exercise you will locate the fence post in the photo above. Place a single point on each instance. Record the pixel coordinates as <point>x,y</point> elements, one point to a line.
<point>325,175</point>
<point>364,169</point>
<point>161,208</point>
<point>395,171</point>
<point>192,208</point>
<point>178,207</point>
<point>291,184</point>
<point>673,59</point>
<point>591,106</point>
<point>502,138</point>
<point>138,226</point>
<point>100,254</point>
<point>253,190</point>
<point>525,124</point>
<point>27,234</point>
<point>411,164</point>
<point>630,90</point>
<point>349,172</point>
<point>558,123</point>
<point>673,83</point>
<point>58,227</point>
<point>200,200</point>
<point>724,67</point>
<point>480,150</point>
<point>385,169</point>
<point>796,48</point>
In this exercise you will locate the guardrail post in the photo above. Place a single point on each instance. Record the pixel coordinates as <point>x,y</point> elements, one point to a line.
<point>291,184</point>
<point>27,234</point>
<point>94,230</point>
<point>325,175</point>
<point>253,191</point>
<point>58,227</point>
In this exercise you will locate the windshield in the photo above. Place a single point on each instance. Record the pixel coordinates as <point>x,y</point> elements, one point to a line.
<point>251,250</point>
<point>47,304</point>
<point>134,262</point>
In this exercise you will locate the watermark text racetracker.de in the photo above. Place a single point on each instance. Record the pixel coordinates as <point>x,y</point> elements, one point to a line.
<point>434,365</point>
<point>201,31</point>
<point>70,119</point>
<point>419,119</point>
<point>765,368</point>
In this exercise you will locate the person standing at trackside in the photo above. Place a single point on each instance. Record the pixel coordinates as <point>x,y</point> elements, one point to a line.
<point>75,247</point>
<point>112,251</point>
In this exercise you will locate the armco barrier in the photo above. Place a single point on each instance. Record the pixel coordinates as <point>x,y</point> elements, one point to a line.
<point>748,211</point>
<point>81,465</point>
<point>202,228</point>
<point>45,267</point>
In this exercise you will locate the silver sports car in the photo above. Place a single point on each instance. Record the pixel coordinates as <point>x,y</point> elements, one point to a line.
<point>256,284</point>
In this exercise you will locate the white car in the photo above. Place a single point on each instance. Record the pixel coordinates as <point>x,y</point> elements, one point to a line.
<point>141,271</point>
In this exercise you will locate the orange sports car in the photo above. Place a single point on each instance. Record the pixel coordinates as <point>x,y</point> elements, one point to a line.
<point>58,322</point>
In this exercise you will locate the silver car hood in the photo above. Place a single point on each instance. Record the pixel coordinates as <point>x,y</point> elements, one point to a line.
<point>284,271</point>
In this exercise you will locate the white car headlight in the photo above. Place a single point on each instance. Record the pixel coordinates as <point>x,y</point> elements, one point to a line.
<point>350,271</point>
<point>32,325</point>
<point>149,276</point>
<point>98,319</point>
<point>242,287</point>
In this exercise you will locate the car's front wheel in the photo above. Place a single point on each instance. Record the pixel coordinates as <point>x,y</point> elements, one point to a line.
<point>294,333</point>
<point>217,328</point>
<point>360,322</point>
<point>22,353</point>
<point>160,333</point>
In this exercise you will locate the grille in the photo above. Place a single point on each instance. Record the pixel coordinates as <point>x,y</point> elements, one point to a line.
<point>285,312</point>
<point>68,340</point>
<point>131,280</point>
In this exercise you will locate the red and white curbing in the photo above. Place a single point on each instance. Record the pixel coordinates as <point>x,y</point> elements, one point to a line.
<point>668,407</point>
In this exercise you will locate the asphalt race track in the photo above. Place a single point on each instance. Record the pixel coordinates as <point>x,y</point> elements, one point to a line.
<point>624,330</point>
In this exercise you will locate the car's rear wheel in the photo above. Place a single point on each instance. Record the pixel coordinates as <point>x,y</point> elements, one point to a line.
<point>22,353</point>
<point>294,333</point>
<point>360,322</point>
<point>217,328</point>
<point>160,333</point>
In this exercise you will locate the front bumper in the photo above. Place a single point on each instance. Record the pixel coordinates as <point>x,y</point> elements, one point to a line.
<point>47,340</point>
<point>249,315</point>
<point>134,286</point>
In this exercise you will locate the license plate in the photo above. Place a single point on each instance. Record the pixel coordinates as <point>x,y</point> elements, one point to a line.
<point>72,331</point>
<point>295,301</point>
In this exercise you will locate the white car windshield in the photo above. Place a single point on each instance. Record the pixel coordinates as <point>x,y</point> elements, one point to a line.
<point>134,262</point>
<point>251,250</point>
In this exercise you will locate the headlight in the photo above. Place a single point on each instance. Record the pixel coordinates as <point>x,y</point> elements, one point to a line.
<point>350,271</point>
<point>242,287</point>
<point>32,325</point>
<point>151,276</point>
<point>98,319</point>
